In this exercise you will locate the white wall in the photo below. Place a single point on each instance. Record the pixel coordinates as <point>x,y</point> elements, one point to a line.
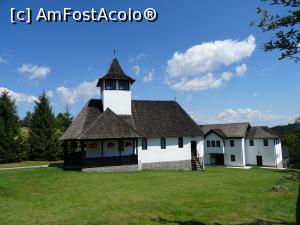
<point>213,137</point>
<point>154,153</point>
<point>271,154</point>
<point>119,101</point>
<point>237,150</point>
<point>278,151</point>
<point>107,152</point>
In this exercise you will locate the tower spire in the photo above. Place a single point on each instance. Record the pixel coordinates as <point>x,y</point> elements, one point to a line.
<point>114,53</point>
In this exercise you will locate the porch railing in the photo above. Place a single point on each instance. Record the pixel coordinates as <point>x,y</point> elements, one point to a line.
<point>77,160</point>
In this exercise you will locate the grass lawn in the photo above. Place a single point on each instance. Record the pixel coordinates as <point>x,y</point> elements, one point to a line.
<point>28,163</point>
<point>216,196</point>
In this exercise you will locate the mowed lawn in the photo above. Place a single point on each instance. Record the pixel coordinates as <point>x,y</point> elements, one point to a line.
<point>28,163</point>
<point>217,195</point>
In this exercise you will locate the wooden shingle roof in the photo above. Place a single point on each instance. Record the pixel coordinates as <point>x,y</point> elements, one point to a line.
<point>148,119</point>
<point>230,130</point>
<point>109,125</point>
<point>260,133</point>
<point>115,72</point>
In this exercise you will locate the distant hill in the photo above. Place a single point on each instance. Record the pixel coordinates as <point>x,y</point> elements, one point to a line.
<point>286,129</point>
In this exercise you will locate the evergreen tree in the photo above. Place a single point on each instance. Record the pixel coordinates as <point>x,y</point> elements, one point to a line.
<point>9,130</point>
<point>63,120</point>
<point>43,142</point>
<point>25,121</point>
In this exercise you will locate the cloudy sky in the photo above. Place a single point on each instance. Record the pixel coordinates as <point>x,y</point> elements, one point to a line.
<point>204,55</point>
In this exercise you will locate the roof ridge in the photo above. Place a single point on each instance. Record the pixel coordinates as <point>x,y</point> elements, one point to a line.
<point>128,123</point>
<point>148,100</point>
<point>108,110</point>
<point>90,125</point>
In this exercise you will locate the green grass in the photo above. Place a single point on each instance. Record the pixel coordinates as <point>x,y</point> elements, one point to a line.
<point>28,163</point>
<point>217,195</point>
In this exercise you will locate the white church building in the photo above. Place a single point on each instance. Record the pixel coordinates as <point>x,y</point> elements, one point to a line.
<point>116,133</point>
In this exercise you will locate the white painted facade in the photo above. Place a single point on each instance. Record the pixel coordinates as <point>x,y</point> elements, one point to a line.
<point>119,101</point>
<point>271,154</point>
<point>242,154</point>
<point>110,148</point>
<point>172,152</point>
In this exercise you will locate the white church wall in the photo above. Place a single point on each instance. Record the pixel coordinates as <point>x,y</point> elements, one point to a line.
<point>119,101</point>
<point>110,148</point>
<point>154,153</point>
<point>93,152</point>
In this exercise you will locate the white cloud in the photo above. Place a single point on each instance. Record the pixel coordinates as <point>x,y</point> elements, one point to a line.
<point>241,69</point>
<point>149,76</point>
<point>49,94</point>
<point>20,97</point>
<point>2,60</point>
<point>136,70</point>
<point>255,117</point>
<point>137,57</point>
<point>255,94</point>
<point>82,92</point>
<point>34,71</point>
<point>208,56</point>
<point>194,68</point>
<point>202,83</point>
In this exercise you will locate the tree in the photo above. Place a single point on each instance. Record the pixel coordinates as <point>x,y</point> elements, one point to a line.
<point>63,120</point>
<point>43,142</point>
<point>293,142</point>
<point>285,28</point>
<point>9,130</point>
<point>25,121</point>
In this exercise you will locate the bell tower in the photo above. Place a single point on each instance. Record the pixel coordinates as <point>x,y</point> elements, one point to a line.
<point>115,89</point>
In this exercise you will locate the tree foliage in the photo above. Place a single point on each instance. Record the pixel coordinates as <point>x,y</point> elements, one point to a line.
<point>26,120</point>
<point>285,28</point>
<point>63,120</point>
<point>10,145</point>
<point>43,141</point>
<point>290,135</point>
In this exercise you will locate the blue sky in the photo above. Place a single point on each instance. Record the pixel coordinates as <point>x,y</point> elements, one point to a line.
<point>219,74</point>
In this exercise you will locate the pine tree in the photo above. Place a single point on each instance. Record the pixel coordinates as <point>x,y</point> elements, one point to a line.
<point>9,130</point>
<point>63,120</point>
<point>43,142</point>
<point>26,120</point>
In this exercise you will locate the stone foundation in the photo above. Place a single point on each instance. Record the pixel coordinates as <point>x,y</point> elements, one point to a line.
<point>123,168</point>
<point>174,165</point>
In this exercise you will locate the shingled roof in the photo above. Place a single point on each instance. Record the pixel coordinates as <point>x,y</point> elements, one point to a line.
<point>230,130</point>
<point>109,125</point>
<point>261,132</point>
<point>149,119</point>
<point>162,119</point>
<point>115,72</point>
<point>85,118</point>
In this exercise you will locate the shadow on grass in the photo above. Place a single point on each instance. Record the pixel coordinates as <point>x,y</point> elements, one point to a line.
<point>56,165</point>
<point>197,222</point>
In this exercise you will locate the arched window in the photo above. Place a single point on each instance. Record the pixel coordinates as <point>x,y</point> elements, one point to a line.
<point>144,143</point>
<point>163,143</point>
<point>180,142</point>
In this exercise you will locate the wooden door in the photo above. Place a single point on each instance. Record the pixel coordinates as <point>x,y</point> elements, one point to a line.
<point>194,148</point>
<point>259,160</point>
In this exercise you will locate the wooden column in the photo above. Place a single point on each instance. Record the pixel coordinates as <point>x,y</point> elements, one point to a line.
<point>101,148</point>
<point>133,146</point>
